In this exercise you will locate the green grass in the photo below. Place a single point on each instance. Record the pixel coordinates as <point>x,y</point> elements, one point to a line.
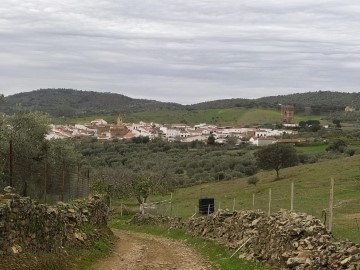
<point>100,249</point>
<point>80,258</point>
<point>312,184</point>
<point>53,262</point>
<point>218,255</point>
<point>235,116</point>
<point>311,149</point>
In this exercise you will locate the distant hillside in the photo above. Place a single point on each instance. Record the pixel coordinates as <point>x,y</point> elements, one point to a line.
<point>318,102</point>
<point>76,103</point>
<point>71,103</point>
<point>226,116</point>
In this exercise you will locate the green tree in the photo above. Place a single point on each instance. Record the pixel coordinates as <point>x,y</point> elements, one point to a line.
<point>337,146</point>
<point>337,123</point>
<point>22,143</point>
<point>211,139</point>
<point>63,160</point>
<point>276,156</point>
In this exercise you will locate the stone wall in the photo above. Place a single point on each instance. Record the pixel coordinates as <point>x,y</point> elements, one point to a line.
<point>285,240</point>
<point>27,226</point>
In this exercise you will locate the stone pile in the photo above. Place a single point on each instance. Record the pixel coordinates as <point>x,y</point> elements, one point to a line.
<point>285,239</point>
<point>148,219</point>
<point>26,225</point>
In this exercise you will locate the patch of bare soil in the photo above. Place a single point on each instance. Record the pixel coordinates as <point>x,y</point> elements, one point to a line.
<point>137,251</point>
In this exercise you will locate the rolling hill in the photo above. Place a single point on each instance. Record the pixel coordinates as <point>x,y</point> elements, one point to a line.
<point>76,104</point>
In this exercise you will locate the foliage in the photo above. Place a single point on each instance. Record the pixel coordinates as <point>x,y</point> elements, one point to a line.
<point>211,139</point>
<point>63,159</point>
<point>337,123</point>
<point>310,125</point>
<point>22,139</point>
<point>74,103</point>
<point>169,165</point>
<point>253,180</point>
<point>337,146</point>
<point>69,102</point>
<point>33,165</point>
<point>276,156</point>
<point>320,102</point>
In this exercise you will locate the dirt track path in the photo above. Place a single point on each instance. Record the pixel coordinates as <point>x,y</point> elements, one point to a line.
<point>136,251</point>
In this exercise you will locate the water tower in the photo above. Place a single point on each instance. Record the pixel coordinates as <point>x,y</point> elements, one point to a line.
<point>287,114</point>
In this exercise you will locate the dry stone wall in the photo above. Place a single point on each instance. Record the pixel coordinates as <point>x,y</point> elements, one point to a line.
<point>286,240</point>
<point>26,225</point>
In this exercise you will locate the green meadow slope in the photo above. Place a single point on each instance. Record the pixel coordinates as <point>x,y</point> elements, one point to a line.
<point>233,116</point>
<point>312,185</point>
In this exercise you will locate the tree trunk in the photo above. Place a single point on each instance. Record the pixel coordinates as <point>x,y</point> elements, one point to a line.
<point>63,184</point>
<point>277,173</point>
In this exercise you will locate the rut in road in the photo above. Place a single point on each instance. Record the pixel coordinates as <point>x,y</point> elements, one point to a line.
<point>137,251</point>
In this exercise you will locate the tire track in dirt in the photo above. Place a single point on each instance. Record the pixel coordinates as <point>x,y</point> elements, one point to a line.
<point>138,251</point>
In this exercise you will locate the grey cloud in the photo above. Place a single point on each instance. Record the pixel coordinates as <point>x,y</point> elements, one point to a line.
<point>180,50</point>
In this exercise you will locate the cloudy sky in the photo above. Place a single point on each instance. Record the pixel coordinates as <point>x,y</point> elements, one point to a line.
<point>180,50</point>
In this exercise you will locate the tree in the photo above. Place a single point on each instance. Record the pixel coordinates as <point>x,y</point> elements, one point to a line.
<point>337,123</point>
<point>337,146</point>
<point>211,139</point>
<point>63,159</point>
<point>276,156</point>
<point>22,143</point>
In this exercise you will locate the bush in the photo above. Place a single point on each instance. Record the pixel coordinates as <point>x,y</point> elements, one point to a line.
<point>351,152</point>
<point>307,158</point>
<point>253,180</point>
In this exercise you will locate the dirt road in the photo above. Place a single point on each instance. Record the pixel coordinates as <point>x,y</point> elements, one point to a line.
<point>136,251</point>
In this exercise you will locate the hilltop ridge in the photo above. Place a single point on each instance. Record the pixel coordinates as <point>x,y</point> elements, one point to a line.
<point>77,103</point>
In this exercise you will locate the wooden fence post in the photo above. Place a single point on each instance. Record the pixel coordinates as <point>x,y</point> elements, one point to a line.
<point>142,206</point>
<point>253,202</point>
<point>171,204</point>
<point>269,210</point>
<point>292,196</point>
<point>331,204</point>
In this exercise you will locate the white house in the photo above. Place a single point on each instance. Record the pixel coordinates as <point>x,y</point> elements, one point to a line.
<point>194,138</point>
<point>98,122</point>
<point>261,141</point>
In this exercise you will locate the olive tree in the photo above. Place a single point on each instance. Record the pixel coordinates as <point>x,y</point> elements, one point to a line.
<point>22,143</point>
<point>276,156</point>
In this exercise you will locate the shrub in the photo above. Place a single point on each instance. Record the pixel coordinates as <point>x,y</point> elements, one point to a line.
<point>253,180</point>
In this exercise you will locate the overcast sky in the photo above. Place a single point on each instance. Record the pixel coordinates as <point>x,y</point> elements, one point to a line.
<point>183,51</point>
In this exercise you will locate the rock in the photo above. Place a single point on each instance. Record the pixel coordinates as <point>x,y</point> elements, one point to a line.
<point>16,249</point>
<point>346,261</point>
<point>353,250</point>
<point>9,189</point>
<point>79,236</point>
<point>295,261</point>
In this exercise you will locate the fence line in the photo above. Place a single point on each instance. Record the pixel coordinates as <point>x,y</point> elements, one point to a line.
<point>273,200</point>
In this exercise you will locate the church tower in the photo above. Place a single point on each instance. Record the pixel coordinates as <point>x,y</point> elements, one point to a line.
<point>119,121</point>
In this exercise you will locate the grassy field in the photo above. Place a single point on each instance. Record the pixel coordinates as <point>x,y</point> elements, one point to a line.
<point>235,116</point>
<point>311,149</point>
<point>312,185</point>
